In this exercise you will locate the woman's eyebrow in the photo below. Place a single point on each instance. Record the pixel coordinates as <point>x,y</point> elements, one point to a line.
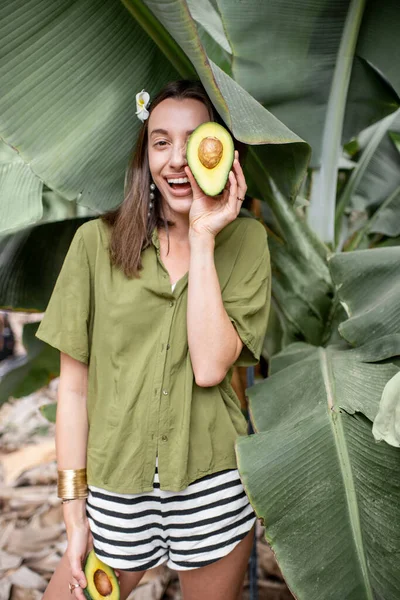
<point>162,131</point>
<point>165,132</point>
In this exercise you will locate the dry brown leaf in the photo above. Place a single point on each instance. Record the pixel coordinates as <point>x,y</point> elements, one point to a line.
<point>22,421</point>
<point>9,561</point>
<point>31,494</point>
<point>6,533</point>
<point>29,540</point>
<point>5,588</point>
<point>27,457</point>
<point>20,593</point>
<point>26,578</point>
<point>43,474</point>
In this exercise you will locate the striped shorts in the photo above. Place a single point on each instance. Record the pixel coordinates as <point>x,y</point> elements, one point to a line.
<point>186,530</point>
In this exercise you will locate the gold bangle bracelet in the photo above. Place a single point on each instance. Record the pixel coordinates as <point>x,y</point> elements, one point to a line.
<point>72,484</point>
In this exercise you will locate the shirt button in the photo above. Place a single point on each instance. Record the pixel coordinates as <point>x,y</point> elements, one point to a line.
<point>171,303</point>
<point>164,438</point>
<point>165,392</point>
<point>168,346</point>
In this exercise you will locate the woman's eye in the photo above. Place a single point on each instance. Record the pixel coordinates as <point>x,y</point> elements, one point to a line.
<point>161,143</point>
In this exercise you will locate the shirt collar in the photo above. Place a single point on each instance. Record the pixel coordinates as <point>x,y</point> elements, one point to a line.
<point>154,238</point>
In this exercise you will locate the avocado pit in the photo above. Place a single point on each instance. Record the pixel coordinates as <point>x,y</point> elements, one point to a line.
<point>210,152</point>
<point>102,582</point>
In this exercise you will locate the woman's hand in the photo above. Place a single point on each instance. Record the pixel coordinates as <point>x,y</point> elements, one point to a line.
<point>211,214</point>
<point>80,543</point>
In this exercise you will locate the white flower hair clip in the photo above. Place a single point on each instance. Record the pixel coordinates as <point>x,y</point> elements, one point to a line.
<point>142,101</point>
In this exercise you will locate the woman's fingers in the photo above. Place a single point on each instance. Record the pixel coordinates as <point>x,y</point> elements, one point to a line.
<point>195,187</point>
<point>242,187</point>
<point>233,193</point>
<point>76,570</point>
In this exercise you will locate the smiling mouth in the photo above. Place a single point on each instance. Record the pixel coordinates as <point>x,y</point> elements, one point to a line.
<point>179,184</point>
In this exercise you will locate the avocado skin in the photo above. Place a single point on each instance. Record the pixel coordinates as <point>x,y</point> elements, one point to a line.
<point>93,563</point>
<point>211,181</point>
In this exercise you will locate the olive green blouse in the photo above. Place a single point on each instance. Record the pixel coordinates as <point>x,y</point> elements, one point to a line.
<point>142,399</point>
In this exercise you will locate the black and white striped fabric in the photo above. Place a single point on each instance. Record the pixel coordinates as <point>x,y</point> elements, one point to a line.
<point>187,529</point>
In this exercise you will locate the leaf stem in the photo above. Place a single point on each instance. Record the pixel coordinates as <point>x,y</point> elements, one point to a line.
<point>321,212</point>
<point>161,37</point>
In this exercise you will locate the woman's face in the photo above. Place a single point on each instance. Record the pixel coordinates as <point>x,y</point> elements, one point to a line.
<point>170,125</point>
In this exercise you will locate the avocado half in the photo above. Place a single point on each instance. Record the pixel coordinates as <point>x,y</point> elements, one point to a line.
<point>210,153</point>
<point>101,580</point>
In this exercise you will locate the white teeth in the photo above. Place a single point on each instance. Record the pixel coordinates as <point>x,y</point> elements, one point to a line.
<point>180,180</point>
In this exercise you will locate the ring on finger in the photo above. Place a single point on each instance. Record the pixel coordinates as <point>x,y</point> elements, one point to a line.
<point>240,199</point>
<point>72,586</point>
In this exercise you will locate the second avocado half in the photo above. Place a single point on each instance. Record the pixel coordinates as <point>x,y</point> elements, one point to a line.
<point>210,154</point>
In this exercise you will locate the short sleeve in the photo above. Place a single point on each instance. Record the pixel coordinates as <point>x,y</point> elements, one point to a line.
<point>65,324</point>
<point>247,295</point>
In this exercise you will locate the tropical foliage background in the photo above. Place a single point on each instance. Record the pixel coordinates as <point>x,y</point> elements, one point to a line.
<point>313,89</point>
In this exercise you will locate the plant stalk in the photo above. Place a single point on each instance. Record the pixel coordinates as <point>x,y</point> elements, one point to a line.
<point>321,213</point>
<point>160,36</point>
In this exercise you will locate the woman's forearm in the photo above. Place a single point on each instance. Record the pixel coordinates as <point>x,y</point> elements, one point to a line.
<point>71,424</point>
<point>213,341</point>
<point>72,431</point>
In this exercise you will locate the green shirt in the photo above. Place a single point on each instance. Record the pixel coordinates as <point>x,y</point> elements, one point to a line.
<point>142,399</point>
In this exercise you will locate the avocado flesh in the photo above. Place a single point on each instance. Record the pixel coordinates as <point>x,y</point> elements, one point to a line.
<point>210,144</point>
<point>100,578</point>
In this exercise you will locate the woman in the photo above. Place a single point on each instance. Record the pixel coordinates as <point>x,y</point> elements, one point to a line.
<point>145,401</point>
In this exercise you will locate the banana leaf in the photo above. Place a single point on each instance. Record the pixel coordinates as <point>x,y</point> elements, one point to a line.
<point>368,284</point>
<point>69,80</point>
<point>382,175</point>
<point>329,496</point>
<point>285,154</point>
<point>387,421</point>
<point>20,190</point>
<point>30,261</point>
<point>23,375</point>
<point>327,74</point>
<point>364,172</point>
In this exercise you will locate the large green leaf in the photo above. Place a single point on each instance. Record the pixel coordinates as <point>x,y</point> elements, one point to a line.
<point>378,41</point>
<point>387,421</point>
<point>68,82</point>
<point>288,64</point>
<point>301,284</point>
<point>365,171</point>
<point>387,218</point>
<point>30,261</point>
<point>211,33</point>
<point>328,494</point>
<point>68,108</point>
<point>300,70</point>
<point>20,191</point>
<point>23,375</point>
<point>382,176</point>
<point>284,154</point>
<point>368,283</point>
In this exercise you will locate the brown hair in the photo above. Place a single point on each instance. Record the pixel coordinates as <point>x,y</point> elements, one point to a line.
<point>131,228</point>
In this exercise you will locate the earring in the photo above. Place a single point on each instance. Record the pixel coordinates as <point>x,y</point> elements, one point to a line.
<point>152,196</point>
